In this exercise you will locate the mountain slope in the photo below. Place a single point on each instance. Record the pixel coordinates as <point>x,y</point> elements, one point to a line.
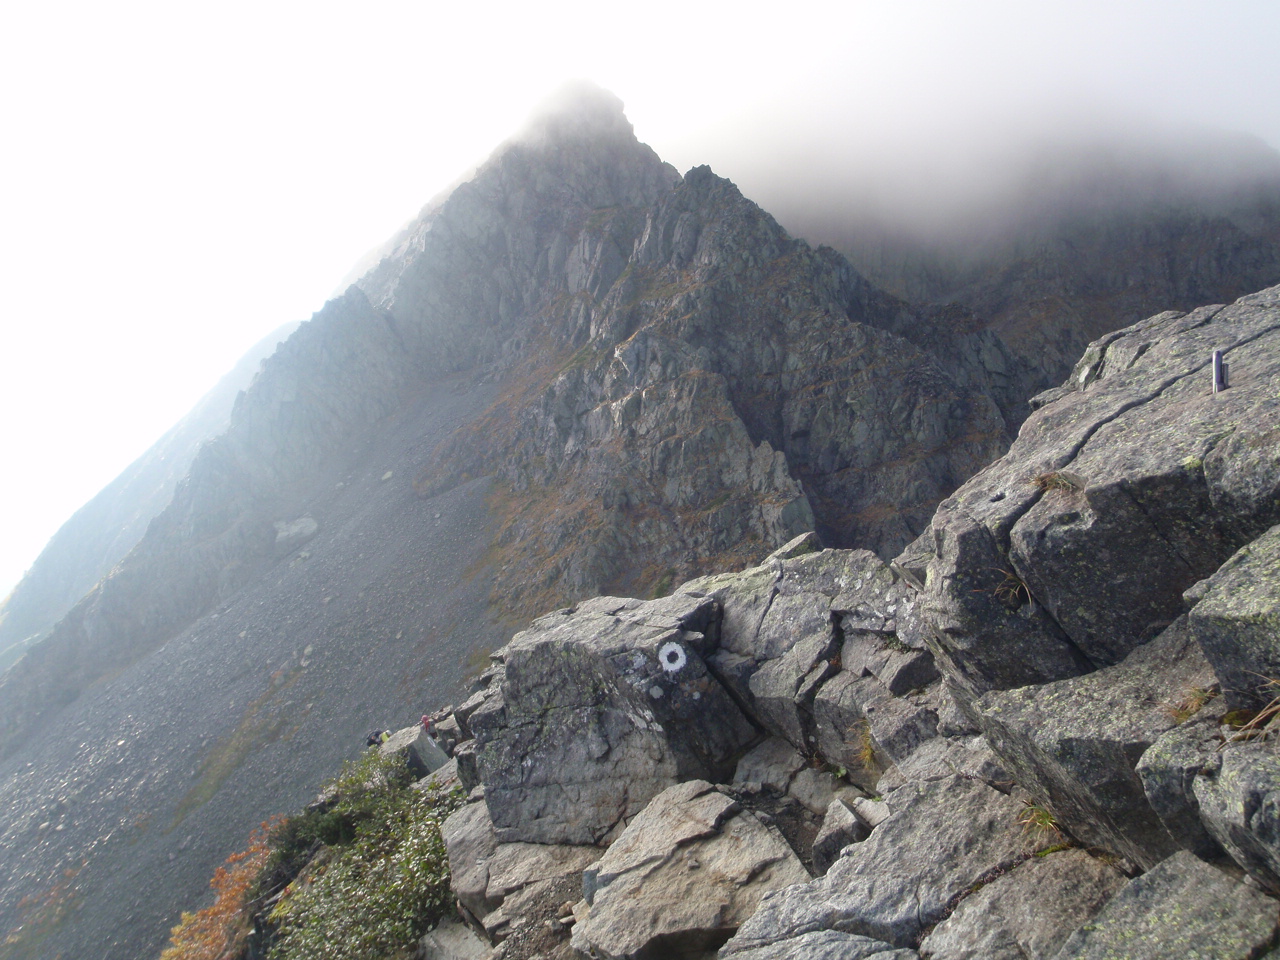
<point>578,371</point>
<point>106,528</point>
<point>640,375</point>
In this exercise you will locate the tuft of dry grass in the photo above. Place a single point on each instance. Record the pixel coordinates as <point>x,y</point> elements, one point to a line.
<point>1056,480</point>
<point>1192,702</point>
<point>1010,591</point>
<point>1255,726</point>
<point>1037,818</point>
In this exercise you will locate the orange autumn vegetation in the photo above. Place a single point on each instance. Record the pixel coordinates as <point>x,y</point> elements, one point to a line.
<point>219,931</point>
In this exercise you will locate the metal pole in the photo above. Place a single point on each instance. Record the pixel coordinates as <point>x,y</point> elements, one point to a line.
<point>1219,372</point>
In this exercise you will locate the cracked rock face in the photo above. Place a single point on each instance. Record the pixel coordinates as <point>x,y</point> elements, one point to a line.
<point>599,709</point>
<point>1075,744</point>
<point>1028,912</point>
<point>1238,795</point>
<point>1183,907</point>
<point>939,839</point>
<point>1237,620</point>
<point>1128,485</point>
<point>682,877</point>
<point>792,627</point>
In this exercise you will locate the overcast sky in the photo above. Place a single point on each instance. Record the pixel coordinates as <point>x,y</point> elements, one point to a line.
<point>181,178</point>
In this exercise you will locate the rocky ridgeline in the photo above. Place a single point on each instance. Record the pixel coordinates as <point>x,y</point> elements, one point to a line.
<point>678,382</point>
<point>1039,732</point>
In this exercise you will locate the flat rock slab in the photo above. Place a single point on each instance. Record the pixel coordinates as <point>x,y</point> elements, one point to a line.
<point>451,940</point>
<point>599,708</point>
<point>470,842</point>
<point>680,879</point>
<point>939,840</point>
<point>1075,744</point>
<point>1182,908</point>
<point>1169,770</point>
<point>968,757</point>
<point>840,827</point>
<point>821,945</point>
<point>1028,912</point>
<point>513,866</point>
<point>1237,621</point>
<point>772,764</point>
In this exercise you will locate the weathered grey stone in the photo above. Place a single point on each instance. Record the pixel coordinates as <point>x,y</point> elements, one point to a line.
<point>464,754</point>
<point>898,667</point>
<point>779,642</point>
<point>1075,744</point>
<point>940,839</point>
<point>899,725</point>
<point>682,876</point>
<point>942,757</point>
<point>796,637</point>
<point>820,945</point>
<point>871,812</point>
<point>772,764</point>
<point>440,782</point>
<point>451,940</point>
<point>470,842</point>
<point>953,720</point>
<point>1116,497</point>
<point>1168,771</point>
<point>843,731</point>
<point>840,827</point>
<point>291,534</point>
<point>1237,622</point>
<point>797,547</point>
<point>599,709</point>
<point>448,729</point>
<point>1028,912</point>
<point>814,789</point>
<point>1181,908</point>
<point>513,866</point>
<point>486,874</point>
<point>1238,792</point>
<point>420,752</point>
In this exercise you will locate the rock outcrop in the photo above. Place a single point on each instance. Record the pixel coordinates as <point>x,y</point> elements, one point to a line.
<point>1126,487</point>
<point>1107,812</point>
<point>596,710</point>
<point>682,877</point>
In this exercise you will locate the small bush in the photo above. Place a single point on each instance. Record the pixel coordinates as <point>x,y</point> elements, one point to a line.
<point>364,875</point>
<point>382,890</point>
<point>221,930</point>
<point>1254,725</point>
<point>866,753</point>
<point>664,585</point>
<point>1011,591</point>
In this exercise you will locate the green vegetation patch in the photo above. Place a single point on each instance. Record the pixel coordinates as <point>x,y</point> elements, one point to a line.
<point>386,881</point>
<point>363,874</point>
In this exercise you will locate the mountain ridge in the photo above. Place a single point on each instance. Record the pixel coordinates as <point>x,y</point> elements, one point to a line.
<point>580,369</point>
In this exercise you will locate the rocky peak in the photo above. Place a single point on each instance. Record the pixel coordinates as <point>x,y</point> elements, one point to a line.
<point>579,110</point>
